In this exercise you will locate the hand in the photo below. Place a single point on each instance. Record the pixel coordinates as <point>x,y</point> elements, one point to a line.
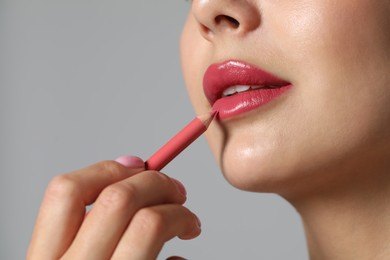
<point>134,213</point>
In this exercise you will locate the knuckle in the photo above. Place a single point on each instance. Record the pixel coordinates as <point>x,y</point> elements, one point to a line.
<point>118,197</point>
<point>158,176</point>
<point>164,177</point>
<point>173,190</point>
<point>150,221</point>
<point>164,180</point>
<point>62,187</point>
<point>110,167</point>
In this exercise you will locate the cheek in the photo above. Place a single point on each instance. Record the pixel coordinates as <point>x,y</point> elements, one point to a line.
<point>347,66</point>
<point>329,35</point>
<point>337,55</point>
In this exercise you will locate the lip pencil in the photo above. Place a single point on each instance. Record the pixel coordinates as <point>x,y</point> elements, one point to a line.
<point>179,142</point>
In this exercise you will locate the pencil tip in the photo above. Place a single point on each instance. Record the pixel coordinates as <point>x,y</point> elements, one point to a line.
<point>208,118</point>
<point>213,113</point>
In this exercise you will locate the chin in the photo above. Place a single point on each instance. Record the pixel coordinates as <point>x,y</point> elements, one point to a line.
<point>250,170</point>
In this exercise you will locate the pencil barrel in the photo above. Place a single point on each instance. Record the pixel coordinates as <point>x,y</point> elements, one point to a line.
<point>176,145</point>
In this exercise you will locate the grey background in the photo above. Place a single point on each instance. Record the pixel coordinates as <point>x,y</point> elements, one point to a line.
<point>81,81</point>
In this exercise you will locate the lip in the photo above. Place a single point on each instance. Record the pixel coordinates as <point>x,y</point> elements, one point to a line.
<point>221,76</point>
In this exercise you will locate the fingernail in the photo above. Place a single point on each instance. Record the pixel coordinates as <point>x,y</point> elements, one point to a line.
<point>131,161</point>
<point>180,186</point>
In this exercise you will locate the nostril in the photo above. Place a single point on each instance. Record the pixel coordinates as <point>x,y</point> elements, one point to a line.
<point>227,20</point>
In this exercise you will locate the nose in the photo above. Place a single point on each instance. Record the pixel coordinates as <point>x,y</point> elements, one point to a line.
<point>221,17</point>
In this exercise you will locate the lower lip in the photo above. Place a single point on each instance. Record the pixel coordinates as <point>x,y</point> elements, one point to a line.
<point>241,103</point>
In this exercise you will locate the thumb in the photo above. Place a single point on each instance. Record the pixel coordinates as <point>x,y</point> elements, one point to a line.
<point>131,161</point>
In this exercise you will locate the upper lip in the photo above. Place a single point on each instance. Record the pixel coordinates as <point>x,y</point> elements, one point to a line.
<point>221,76</point>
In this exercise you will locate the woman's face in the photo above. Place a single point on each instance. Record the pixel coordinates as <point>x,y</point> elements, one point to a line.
<point>330,106</point>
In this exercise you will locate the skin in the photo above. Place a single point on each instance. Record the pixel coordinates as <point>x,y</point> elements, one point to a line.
<point>124,210</point>
<point>324,145</point>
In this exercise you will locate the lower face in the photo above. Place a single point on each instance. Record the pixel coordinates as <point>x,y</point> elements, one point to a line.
<point>336,55</point>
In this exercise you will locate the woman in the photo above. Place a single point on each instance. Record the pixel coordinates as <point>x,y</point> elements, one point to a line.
<point>302,90</point>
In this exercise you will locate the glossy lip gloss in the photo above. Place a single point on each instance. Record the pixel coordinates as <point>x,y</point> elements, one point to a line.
<point>252,87</point>
<point>179,142</point>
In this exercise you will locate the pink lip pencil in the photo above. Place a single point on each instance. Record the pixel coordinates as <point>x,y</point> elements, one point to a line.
<point>179,142</point>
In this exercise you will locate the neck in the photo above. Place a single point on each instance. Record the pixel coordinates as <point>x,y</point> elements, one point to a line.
<point>348,219</point>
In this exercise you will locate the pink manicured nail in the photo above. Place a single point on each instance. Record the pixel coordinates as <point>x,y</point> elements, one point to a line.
<point>131,161</point>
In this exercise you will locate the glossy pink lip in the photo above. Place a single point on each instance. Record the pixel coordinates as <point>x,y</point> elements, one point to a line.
<point>221,76</point>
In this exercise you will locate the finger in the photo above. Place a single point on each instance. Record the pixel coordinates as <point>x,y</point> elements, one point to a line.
<point>63,206</point>
<point>112,211</point>
<point>151,227</point>
<point>129,161</point>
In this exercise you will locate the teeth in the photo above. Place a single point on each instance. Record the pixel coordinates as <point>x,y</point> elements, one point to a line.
<point>235,89</point>
<point>242,88</point>
<point>230,91</point>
